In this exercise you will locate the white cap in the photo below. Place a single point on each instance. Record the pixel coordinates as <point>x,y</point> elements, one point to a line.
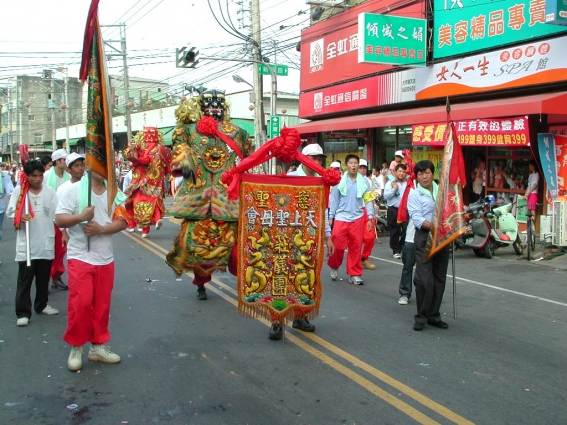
<point>72,158</point>
<point>58,154</point>
<point>313,150</point>
<point>399,153</point>
<point>335,164</point>
<point>363,163</point>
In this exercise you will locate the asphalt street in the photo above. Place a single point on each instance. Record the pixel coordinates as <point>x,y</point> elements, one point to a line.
<point>184,361</point>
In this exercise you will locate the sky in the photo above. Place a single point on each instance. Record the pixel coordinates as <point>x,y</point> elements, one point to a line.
<point>39,34</point>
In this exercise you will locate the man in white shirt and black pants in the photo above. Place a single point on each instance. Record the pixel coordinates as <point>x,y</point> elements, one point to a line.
<point>393,193</point>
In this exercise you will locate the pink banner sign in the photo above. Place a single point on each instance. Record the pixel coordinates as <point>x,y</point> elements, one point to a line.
<point>481,132</point>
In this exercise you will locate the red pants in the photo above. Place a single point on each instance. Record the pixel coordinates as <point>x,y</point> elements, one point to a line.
<point>368,238</point>
<point>90,289</point>
<point>232,264</point>
<point>57,266</point>
<point>351,235</point>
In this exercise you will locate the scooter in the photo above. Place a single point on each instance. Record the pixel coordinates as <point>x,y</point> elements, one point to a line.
<point>504,229</point>
<point>381,214</point>
<point>477,233</point>
<point>491,227</point>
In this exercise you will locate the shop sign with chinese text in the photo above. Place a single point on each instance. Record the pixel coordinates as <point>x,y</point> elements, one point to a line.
<point>540,62</point>
<point>393,40</point>
<point>329,49</point>
<point>560,142</point>
<point>464,26</point>
<point>481,132</point>
<point>384,89</point>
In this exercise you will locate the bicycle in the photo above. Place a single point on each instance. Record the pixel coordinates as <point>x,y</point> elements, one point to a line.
<point>530,236</point>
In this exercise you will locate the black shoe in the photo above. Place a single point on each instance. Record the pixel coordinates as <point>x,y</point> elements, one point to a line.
<point>304,325</point>
<point>59,284</point>
<point>201,293</point>
<point>276,331</point>
<point>438,324</point>
<point>417,326</point>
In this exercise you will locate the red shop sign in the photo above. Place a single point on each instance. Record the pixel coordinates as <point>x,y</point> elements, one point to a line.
<point>481,132</point>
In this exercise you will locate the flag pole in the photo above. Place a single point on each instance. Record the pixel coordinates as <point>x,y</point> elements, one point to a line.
<point>28,243</point>
<point>89,200</point>
<point>453,262</point>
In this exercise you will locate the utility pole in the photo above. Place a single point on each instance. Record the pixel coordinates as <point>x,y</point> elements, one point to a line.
<point>259,137</point>
<point>122,53</point>
<point>10,118</point>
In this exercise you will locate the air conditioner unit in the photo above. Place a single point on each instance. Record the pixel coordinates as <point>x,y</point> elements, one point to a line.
<point>325,2</point>
<point>560,224</point>
<point>545,230</point>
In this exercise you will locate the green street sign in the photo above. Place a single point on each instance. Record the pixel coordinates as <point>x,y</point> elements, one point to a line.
<point>275,126</point>
<point>281,70</point>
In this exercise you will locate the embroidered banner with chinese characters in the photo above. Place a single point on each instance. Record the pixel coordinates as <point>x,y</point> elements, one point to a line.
<point>481,132</point>
<point>280,246</point>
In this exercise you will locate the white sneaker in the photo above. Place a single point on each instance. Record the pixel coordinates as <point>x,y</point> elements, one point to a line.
<point>159,224</point>
<point>356,280</point>
<point>403,300</point>
<point>334,274</point>
<point>75,360</point>
<point>398,256</point>
<point>49,310</point>
<point>131,230</point>
<point>23,321</point>
<point>102,353</point>
<point>144,235</point>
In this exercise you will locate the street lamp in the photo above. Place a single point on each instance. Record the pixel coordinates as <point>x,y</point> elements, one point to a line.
<point>239,79</point>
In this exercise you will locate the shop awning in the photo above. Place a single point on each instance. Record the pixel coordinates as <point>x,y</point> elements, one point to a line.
<point>167,135</point>
<point>551,103</point>
<point>73,142</point>
<point>245,125</point>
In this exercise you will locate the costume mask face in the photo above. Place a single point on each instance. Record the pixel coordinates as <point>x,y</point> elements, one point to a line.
<point>213,104</point>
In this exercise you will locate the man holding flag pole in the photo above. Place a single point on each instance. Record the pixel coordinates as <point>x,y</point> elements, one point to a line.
<point>92,210</point>
<point>437,213</point>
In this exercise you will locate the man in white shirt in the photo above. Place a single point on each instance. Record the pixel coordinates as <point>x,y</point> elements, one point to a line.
<point>55,177</point>
<point>369,237</point>
<point>90,267</point>
<point>393,193</point>
<point>42,200</point>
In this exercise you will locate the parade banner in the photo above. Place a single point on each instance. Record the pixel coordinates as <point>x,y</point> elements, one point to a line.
<point>561,164</point>
<point>448,216</point>
<point>99,139</point>
<point>481,132</point>
<point>280,246</point>
<point>546,148</point>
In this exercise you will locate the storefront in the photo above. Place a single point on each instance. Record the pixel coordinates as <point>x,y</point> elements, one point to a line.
<point>374,109</point>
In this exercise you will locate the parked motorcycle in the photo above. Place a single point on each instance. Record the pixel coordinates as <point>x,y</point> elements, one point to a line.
<point>381,214</point>
<point>504,229</point>
<point>489,228</point>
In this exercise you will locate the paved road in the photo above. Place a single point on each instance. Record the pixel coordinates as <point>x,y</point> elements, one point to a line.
<point>184,361</point>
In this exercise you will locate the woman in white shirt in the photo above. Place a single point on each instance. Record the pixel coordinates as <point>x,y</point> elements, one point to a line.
<point>531,191</point>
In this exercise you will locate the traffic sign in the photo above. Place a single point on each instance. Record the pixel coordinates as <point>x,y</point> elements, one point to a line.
<point>281,70</point>
<point>275,126</point>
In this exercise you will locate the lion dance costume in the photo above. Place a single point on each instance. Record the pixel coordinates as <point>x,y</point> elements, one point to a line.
<point>206,144</point>
<point>150,167</point>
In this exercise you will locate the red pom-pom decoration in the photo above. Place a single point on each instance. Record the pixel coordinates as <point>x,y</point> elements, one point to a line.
<point>207,126</point>
<point>285,147</point>
<point>332,177</point>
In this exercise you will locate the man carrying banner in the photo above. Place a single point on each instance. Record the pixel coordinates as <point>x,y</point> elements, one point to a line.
<point>430,276</point>
<point>150,168</point>
<point>315,152</point>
